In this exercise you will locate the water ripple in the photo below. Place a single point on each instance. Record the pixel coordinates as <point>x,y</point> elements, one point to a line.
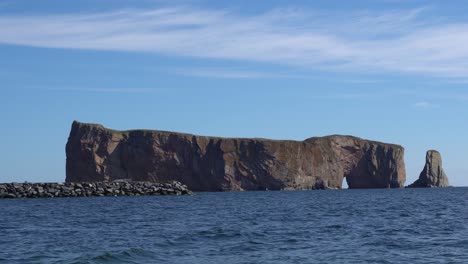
<point>348,226</point>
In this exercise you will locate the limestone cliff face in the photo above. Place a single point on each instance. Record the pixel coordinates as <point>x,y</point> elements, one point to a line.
<point>433,174</point>
<point>95,153</point>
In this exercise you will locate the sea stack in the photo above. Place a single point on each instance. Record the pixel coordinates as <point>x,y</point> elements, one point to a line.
<point>96,153</point>
<point>433,174</point>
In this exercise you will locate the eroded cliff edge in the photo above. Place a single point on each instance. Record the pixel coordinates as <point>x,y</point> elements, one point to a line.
<point>95,153</point>
<point>433,175</point>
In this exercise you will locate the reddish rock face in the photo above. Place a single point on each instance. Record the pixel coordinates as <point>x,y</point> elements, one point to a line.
<point>433,174</point>
<point>95,153</point>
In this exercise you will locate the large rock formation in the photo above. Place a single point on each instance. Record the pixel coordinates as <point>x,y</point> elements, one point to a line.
<point>433,174</point>
<point>95,153</point>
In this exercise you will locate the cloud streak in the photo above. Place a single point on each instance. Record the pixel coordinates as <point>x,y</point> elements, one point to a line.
<point>397,42</point>
<point>233,73</point>
<point>425,105</point>
<point>105,90</point>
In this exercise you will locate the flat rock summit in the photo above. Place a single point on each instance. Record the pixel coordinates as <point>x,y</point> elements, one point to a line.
<point>95,154</point>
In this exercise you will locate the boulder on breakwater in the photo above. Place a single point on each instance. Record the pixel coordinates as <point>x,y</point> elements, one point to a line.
<point>89,189</point>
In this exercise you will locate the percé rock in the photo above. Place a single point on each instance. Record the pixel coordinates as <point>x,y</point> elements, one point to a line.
<point>433,174</point>
<point>89,189</point>
<point>95,153</point>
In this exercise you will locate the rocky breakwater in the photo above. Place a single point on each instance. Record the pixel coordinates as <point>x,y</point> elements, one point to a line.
<point>88,189</point>
<point>433,174</point>
<point>95,153</point>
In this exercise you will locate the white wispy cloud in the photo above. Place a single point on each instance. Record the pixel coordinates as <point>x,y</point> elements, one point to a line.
<point>425,105</point>
<point>103,90</point>
<point>404,41</point>
<point>233,73</point>
<point>220,73</point>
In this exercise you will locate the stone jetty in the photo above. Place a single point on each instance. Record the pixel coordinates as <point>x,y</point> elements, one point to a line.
<point>89,189</point>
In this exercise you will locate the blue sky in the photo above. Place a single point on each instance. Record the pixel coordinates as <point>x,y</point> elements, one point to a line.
<point>387,70</point>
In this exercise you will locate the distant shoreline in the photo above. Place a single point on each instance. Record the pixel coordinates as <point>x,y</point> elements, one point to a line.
<point>15,190</point>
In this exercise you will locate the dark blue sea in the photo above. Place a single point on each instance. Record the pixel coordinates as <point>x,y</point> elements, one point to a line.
<point>342,226</point>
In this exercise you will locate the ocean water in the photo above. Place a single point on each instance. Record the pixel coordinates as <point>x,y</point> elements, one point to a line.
<point>342,226</point>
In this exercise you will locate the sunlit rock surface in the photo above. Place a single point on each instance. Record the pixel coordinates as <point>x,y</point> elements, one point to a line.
<point>433,174</point>
<point>95,153</point>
